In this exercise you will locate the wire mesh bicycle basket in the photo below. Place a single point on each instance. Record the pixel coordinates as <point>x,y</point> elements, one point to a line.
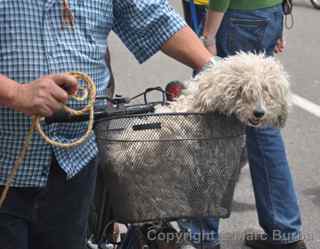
<point>170,166</point>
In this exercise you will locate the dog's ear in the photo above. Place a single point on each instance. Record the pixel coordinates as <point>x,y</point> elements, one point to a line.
<point>281,122</point>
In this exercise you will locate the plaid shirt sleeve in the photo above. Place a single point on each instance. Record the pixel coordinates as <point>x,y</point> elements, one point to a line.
<point>145,25</point>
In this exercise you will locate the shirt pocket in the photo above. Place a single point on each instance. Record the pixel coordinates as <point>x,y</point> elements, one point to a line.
<point>246,34</point>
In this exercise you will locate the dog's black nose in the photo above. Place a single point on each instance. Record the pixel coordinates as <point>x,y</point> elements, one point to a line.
<point>258,113</point>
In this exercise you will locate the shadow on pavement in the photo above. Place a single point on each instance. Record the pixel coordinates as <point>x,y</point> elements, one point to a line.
<point>234,240</point>
<point>304,4</point>
<point>314,194</point>
<point>241,207</point>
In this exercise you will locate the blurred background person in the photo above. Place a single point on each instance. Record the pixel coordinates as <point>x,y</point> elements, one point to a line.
<point>256,26</point>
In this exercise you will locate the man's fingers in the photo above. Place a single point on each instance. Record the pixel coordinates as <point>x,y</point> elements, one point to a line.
<point>66,81</point>
<point>54,105</point>
<point>58,94</point>
<point>45,111</point>
<point>280,45</point>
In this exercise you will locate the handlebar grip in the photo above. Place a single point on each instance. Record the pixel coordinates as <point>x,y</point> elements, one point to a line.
<point>65,117</point>
<point>58,117</point>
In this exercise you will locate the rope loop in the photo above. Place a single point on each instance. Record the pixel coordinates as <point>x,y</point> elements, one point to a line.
<point>90,95</point>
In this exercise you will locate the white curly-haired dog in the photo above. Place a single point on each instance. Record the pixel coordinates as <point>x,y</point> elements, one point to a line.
<point>253,87</point>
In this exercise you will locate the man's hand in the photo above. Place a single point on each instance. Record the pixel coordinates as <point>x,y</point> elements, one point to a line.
<point>46,95</point>
<point>280,46</point>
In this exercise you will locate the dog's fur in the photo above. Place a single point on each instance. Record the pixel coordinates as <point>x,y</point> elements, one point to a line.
<point>242,85</point>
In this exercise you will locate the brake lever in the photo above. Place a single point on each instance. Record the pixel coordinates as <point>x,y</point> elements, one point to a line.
<point>159,89</point>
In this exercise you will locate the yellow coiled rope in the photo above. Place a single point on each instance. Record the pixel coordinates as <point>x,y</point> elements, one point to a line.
<point>90,95</point>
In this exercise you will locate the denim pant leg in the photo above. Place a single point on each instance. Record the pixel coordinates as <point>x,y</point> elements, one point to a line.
<point>13,232</point>
<point>258,31</point>
<point>16,216</point>
<point>203,233</point>
<point>276,200</point>
<point>62,210</point>
<point>52,217</point>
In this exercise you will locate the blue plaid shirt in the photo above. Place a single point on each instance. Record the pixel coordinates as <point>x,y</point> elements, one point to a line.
<point>32,44</point>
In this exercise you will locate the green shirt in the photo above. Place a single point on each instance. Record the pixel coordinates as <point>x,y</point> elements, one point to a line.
<point>224,5</point>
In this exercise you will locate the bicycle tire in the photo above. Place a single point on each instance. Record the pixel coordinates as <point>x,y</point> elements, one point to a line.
<point>316,4</point>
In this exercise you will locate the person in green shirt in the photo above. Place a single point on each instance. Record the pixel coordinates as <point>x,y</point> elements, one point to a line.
<point>255,26</point>
<point>216,14</point>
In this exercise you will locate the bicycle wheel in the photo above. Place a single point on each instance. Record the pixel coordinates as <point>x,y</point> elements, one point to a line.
<point>316,3</point>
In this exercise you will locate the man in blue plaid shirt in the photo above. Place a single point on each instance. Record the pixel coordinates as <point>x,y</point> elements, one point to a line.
<point>47,206</point>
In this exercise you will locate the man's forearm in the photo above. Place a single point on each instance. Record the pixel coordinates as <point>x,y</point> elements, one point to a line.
<point>8,90</point>
<point>212,24</point>
<point>186,47</point>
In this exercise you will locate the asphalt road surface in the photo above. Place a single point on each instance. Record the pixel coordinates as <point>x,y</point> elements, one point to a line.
<point>302,133</point>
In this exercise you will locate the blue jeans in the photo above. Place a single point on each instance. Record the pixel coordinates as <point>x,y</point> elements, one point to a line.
<point>276,200</point>
<point>52,217</point>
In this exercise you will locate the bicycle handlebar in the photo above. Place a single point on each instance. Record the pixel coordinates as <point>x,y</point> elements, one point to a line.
<point>110,112</point>
<point>120,108</point>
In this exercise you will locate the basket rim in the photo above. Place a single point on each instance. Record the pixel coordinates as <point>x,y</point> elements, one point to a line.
<point>240,133</point>
<point>232,116</point>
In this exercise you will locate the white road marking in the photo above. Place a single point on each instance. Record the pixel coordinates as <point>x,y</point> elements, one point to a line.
<point>306,105</point>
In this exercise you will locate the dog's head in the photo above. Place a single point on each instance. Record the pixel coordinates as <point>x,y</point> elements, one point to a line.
<point>253,87</point>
